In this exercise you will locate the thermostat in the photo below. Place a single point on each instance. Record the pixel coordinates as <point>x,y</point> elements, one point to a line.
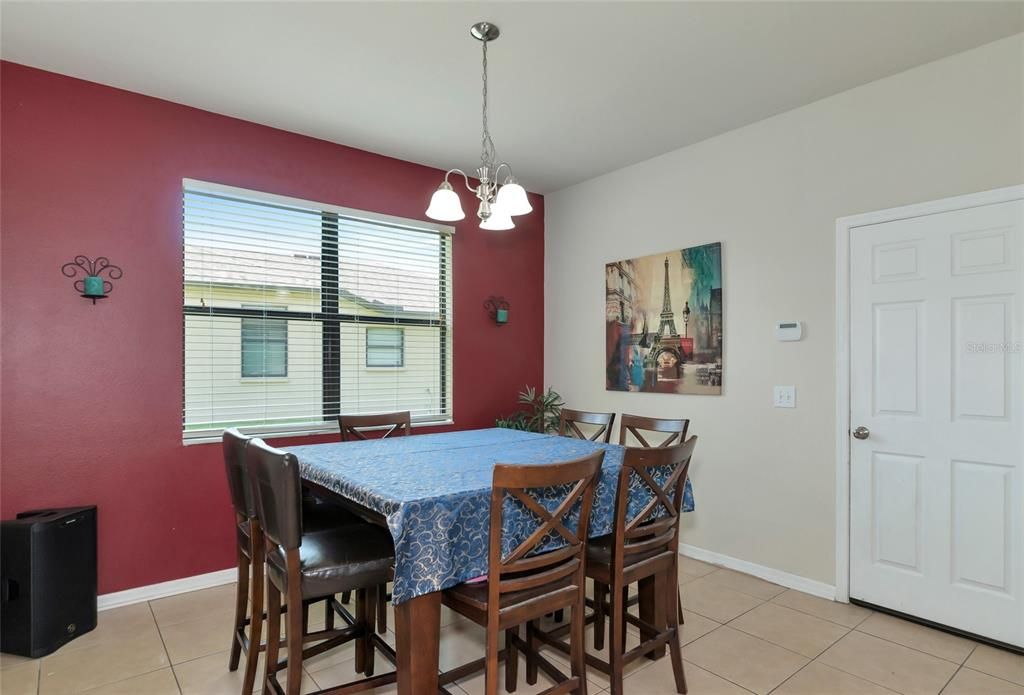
<point>786,331</point>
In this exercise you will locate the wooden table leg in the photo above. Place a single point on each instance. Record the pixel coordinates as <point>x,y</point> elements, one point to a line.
<point>652,611</point>
<point>417,643</point>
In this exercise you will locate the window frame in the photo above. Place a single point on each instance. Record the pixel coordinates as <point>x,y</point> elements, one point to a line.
<point>329,317</point>
<point>241,340</point>
<point>401,347</point>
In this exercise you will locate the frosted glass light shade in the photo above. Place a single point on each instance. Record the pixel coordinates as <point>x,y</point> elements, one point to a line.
<point>499,220</point>
<point>445,205</point>
<point>512,198</point>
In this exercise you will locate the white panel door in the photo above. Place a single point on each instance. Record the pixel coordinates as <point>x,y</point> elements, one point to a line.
<point>937,384</point>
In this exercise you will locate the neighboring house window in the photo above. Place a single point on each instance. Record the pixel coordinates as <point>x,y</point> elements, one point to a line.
<point>264,346</point>
<point>324,295</point>
<point>385,347</point>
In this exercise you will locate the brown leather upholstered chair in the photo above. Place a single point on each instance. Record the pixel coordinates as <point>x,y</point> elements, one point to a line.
<point>314,566</point>
<point>569,421</point>
<point>643,547</point>
<point>249,551</point>
<point>524,585</point>
<point>352,426</point>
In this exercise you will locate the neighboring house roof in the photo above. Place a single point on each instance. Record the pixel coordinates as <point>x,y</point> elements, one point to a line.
<point>382,288</point>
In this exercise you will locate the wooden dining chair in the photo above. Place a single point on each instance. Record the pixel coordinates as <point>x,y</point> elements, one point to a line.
<point>570,420</point>
<point>306,567</point>
<point>527,579</point>
<point>352,429</point>
<point>249,552</point>
<point>353,426</point>
<point>642,548</point>
<point>636,425</point>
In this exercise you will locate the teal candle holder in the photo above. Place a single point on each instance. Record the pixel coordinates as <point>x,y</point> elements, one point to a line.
<point>93,285</point>
<point>497,309</point>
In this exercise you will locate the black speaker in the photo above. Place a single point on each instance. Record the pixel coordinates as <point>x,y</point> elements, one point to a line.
<point>47,579</point>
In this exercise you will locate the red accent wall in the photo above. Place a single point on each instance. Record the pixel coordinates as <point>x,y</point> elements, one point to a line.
<point>91,395</point>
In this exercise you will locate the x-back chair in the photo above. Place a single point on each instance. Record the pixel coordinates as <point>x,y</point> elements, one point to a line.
<point>528,581</point>
<point>643,547</point>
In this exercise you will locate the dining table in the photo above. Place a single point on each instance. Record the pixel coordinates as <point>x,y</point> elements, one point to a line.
<point>433,493</point>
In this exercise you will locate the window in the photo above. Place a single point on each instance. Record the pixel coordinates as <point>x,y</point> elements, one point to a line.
<point>264,346</point>
<point>292,308</point>
<point>385,347</point>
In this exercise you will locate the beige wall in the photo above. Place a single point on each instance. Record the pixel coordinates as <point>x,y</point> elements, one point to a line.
<point>771,193</point>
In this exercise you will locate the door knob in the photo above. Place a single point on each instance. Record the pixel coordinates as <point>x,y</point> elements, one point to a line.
<point>861,433</point>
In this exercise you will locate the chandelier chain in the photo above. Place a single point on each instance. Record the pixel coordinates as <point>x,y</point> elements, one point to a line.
<point>487,151</point>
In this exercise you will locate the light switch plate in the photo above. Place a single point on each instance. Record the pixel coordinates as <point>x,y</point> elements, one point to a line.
<point>784,397</point>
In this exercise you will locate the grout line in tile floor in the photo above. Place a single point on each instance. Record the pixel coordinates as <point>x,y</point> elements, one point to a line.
<point>159,631</point>
<point>819,617</point>
<point>915,649</point>
<point>794,674</point>
<point>961,668</point>
<point>695,665</point>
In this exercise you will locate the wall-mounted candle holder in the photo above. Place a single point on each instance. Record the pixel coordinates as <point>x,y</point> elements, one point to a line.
<point>497,309</point>
<point>93,285</point>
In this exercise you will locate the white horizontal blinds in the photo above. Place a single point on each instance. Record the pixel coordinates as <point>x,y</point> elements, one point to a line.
<point>296,312</point>
<point>399,277</point>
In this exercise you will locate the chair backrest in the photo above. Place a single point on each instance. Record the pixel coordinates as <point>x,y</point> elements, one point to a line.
<point>570,420</point>
<point>526,566</point>
<point>399,424</point>
<point>234,444</point>
<point>274,476</point>
<point>634,424</point>
<point>653,480</point>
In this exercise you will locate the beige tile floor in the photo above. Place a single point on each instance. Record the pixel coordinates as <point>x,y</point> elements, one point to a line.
<point>742,635</point>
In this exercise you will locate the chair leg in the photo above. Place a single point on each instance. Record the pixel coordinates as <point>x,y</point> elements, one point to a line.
<point>491,661</point>
<point>625,608</point>
<point>577,645</point>
<point>273,635</point>
<point>361,619</point>
<point>672,614</point>
<point>600,597</point>
<point>370,611</point>
<point>241,606</point>
<point>559,615</point>
<point>617,636</point>
<point>328,614</point>
<point>679,603</point>
<point>255,625</point>
<point>511,660</point>
<point>531,652</point>
<point>346,597</point>
<point>382,609</point>
<point>297,622</point>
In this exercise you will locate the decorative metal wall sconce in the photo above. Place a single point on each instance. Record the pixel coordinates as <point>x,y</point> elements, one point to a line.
<point>93,285</point>
<point>497,309</point>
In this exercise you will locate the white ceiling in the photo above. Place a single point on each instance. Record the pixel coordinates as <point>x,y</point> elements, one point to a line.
<point>577,89</point>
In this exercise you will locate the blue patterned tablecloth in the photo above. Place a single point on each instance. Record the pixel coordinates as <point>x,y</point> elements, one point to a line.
<point>434,490</point>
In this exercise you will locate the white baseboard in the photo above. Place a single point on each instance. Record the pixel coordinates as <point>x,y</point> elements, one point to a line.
<point>790,581</point>
<point>175,586</point>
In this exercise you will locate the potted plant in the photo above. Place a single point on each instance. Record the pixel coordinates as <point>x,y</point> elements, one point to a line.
<point>541,412</point>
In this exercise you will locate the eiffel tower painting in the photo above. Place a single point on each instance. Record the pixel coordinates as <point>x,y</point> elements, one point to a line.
<point>668,321</point>
<point>684,290</point>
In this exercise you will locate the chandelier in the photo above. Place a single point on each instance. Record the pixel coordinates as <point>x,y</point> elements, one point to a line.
<point>499,202</point>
